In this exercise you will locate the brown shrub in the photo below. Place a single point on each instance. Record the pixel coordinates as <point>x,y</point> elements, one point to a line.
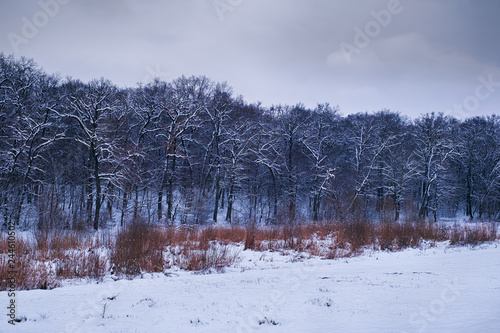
<point>138,248</point>
<point>206,235</point>
<point>386,236</point>
<point>250,237</point>
<point>217,256</point>
<point>28,273</point>
<point>232,235</point>
<point>34,274</point>
<point>81,264</point>
<point>472,235</point>
<point>357,234</point>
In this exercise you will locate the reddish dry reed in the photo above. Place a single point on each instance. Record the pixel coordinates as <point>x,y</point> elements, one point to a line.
<point>48,258</point>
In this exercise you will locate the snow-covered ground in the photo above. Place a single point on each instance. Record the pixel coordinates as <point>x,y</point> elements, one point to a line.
<point>438,289</point>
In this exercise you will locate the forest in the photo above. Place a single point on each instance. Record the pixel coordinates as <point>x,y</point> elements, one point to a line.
<point>77,155</point>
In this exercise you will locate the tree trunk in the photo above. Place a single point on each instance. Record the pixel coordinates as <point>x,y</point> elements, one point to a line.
<point>468,204</point>
<point>229,213</point>
<point>170,196</point>
<point>160,201</point>
<point>136,203</point>
<point>316,206</point>
<point>124,205</point>
<point>98,199</point>
<point>160,191</point>
<point>217,195</point>
<point>424,203</point>
<point>397,209</point>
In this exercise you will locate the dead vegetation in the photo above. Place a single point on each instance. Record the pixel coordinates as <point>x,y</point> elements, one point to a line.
<point>46,259</point>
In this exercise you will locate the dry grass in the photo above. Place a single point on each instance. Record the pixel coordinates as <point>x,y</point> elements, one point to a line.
<point>138,248</point>
<point>216,257</point>
<point>334,240</point>
<point>397,236</point>
<point>472,235</point>
<point>144,248</point>
<point>30,272</point>
<point>304,237</point>
<point>48,258</point>
<point>80,264</point>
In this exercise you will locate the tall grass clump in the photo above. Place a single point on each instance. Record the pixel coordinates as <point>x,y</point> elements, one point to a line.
<point>138,248</point>
<point>473,235</point>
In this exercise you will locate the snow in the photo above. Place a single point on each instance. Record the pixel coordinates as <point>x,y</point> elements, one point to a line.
<point>440,289</point>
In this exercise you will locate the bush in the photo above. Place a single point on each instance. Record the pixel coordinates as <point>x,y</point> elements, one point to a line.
<point>139,247</point>
<point>472,236</point>
<point>30,272</point>
<point>216,256</point>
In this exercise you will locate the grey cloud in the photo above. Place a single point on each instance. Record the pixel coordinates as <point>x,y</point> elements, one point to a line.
<point>287,51</point>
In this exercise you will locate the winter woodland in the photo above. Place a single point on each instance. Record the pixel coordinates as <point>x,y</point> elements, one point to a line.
<point>190,151</point>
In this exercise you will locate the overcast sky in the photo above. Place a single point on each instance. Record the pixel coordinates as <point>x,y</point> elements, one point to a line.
<point>408,56</point>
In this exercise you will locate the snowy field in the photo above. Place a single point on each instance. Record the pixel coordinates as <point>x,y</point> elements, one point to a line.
<point>439,289</point>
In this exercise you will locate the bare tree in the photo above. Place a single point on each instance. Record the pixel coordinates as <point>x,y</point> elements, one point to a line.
<point>318,139</point>
<point>432,135</point>
<point>28,130</point>
<point>399,169</point>
<point>238,139</point>
<point>291,125</point>
<point>218,113</point>
<point>479,158</point>
<point>94,107</point>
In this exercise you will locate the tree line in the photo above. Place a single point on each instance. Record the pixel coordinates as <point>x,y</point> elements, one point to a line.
<point>81,155</point>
